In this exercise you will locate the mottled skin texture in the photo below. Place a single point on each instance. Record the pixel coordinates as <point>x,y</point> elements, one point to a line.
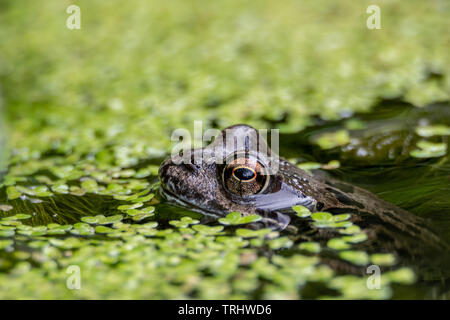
<point>199,186</point>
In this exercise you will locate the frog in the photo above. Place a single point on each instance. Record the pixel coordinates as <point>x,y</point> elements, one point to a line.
<point>247,177</point>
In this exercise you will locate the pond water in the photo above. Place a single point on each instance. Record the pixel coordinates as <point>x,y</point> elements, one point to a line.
<point>378,158</point>
<point>49,217</point>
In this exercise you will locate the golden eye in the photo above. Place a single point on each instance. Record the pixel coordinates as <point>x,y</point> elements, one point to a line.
<point>245,176</point>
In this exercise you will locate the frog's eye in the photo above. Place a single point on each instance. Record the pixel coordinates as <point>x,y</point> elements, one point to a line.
<point>245,177</point>
<point>244,173</point>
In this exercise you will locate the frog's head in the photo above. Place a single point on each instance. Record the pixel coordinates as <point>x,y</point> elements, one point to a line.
<point>236,172</point>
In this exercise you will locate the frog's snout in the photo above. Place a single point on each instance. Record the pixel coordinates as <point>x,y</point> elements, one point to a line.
<point>165,173</point>
<point>176,178</point>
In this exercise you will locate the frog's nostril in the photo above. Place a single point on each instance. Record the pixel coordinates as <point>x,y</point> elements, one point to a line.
<point>191,167</point>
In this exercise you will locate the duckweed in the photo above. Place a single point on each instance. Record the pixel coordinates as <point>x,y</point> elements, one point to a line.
<point>235,218</point>
<point>301,211</point>
<point>382,259</point>
<point>433,130</point>
<point>327,220</point>
<point>312,247</point>
<point>355,257</point>
<point>338,244</point>
<point>333,139</point>
<point>402,276</point>
<point>428,149</point>
<point>90,121</point>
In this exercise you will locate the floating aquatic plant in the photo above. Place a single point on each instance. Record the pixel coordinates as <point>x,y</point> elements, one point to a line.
<point>235,218</point>
<point>93,128</point>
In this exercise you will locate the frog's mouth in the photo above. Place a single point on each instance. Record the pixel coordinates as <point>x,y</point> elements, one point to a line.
<point>176,200</point>
<point>281,222</point>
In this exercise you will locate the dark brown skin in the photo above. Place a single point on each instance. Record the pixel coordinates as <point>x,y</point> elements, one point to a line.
<point>213,190</point>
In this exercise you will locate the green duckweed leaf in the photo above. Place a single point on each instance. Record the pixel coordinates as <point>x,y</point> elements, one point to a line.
<point>103,229</point>
<point>77,191</point>
<point>19,216</point>
<point>355,124</point>
<point>433,130</point>
<point>307,166</point>
<point>90,185</point>
<point>141,216</point>
<point>356,257</point>
<point>207,230</point>
<point>68,243</point>
<point>232,241</point>
<point>333,139</point>
<point>322,273</point>
<point>145,198</point>
<point>322,217</point>
<point>10,222</point>
<point>149,209</point>
<point>235,218</point>
<point>145,211</point>
<point>352,287</point>
<point>382,259</point>
<point>148,225</point>
<point>6,233</point>
<point>130,206</point>
<point>341,217</point>
<point>56,232</point>
<point>12,193</point>
<point>32,231</point>
<point>302,211</point>
<point>110,219</point>
<point>151,170</point>
<point>5,244</point>
<point>246,233</point>
<point>279,243</point>
<point>356,238</point>
<point>183,222</point>
<point>125,197</point>
<point>403,275</point>
<point>327,220</point>
<point>338,244</point>
<point>332,165</point>
<point>429,149</point>
<point>353,229</point>
<point>313,247</point>
<point>92,219</point>
<point>60,188</point>
<point>147,232</point>
<point>82,229</point>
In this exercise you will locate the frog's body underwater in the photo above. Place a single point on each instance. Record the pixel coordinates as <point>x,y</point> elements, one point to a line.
<point>232,174</point>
